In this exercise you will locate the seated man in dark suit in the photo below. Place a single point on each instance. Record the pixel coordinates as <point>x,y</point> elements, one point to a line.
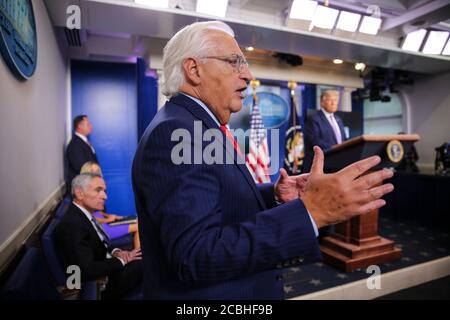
<point>84,243</point>
<point>324,129</point>
<point>79,150</point>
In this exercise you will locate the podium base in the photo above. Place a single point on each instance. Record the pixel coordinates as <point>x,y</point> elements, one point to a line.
<point>348,257</point>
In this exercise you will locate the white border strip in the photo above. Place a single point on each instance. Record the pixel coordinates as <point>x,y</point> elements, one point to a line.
<point>390,282</point>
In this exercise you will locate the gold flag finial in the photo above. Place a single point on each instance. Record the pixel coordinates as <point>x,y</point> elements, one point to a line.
<point>292,85</point>
<point>254,83</point>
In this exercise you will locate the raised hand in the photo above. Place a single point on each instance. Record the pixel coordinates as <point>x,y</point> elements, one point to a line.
<point>336,197</point>
<point>288,188</point>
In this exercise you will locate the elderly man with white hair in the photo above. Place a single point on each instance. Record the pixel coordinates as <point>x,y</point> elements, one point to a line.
<point>84,243</point>
<point>207,230</point>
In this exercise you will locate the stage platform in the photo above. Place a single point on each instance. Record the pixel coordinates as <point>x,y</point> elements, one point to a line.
<point>426,257</point>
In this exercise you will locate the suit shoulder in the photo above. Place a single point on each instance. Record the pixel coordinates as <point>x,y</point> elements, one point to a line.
<point>318,115</point>
<point>72,218</point>
<point>169,118</point>
<point>315,117</point>
<point>75,142</point>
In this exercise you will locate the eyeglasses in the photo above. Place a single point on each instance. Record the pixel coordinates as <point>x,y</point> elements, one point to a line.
<point>236,61</point>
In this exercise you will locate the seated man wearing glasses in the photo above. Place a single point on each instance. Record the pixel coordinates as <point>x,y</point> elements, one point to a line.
<point>207,230</point>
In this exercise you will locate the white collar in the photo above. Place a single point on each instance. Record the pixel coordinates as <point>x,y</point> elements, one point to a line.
<point>204,107</point>
<point>82,137</point>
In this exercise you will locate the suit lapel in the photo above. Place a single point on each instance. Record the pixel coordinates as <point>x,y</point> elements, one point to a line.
<point>88,225</point>
<point>198,112</point>
<point>341,127</point>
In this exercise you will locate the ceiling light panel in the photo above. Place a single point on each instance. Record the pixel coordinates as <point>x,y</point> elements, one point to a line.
<point>348,21</point>
<point>324,17</point>
<point>303,9</point>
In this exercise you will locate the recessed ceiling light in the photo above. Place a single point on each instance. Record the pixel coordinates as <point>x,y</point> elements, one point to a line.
<point>337,61</point>
<point>414,40</point>
<point>360,66</point>
<point>215,8</point>
<point>348,21</point>
<point>435,42</point>
<point>249,49</point>
<point>303,9</point>
<point>370,25</point>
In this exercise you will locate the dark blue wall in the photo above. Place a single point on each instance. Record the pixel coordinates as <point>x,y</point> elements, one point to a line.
<point>147,97</point>
<point>107,93</point>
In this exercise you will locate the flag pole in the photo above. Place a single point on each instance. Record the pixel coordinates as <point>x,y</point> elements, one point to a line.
<point>293,85</point>
<point>294,144</point>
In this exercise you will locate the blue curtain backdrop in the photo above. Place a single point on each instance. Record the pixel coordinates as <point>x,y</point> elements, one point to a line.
<point>147,97</point>
<point>120,100</point>
<point>107,93</point>
<point>307,100</point>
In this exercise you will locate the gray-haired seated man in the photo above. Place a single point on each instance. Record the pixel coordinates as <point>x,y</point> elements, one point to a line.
<point>83,242</point>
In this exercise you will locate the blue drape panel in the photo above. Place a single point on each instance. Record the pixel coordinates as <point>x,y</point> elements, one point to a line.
<point>107,93</point>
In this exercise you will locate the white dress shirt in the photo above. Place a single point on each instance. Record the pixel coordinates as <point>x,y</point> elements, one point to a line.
<point>85,139</point>
<point>332,121</point>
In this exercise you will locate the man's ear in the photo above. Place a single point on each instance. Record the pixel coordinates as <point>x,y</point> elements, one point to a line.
<point>191,71</point>
<point>79,194</point>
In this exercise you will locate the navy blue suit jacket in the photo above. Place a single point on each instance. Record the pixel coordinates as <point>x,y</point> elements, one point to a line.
<point>318,132</point>
<point>78,153</point>
<point>207,231</point>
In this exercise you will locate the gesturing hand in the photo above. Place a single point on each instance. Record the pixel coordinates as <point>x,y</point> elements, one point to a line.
<point>288,188</point>
<point>128,256</point>
<point>336,197</point>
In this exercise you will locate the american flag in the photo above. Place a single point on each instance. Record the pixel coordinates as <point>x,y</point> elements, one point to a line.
<point>258,157</point>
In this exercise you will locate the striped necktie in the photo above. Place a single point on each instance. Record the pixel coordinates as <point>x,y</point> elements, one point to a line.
<point>105,238</point>
<point>337,131</point>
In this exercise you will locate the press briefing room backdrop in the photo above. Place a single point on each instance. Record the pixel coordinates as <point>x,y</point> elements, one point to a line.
<point>103,59</point>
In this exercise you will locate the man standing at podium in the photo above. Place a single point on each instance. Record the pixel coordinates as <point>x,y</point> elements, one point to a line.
<point>324,128</point>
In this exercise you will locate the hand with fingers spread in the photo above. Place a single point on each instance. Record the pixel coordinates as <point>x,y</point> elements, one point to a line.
<point>128,256</point>
<point>336,197</point>
<point>288,188</point>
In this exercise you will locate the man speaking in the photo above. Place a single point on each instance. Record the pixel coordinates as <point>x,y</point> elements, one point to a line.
<point>207,230</point>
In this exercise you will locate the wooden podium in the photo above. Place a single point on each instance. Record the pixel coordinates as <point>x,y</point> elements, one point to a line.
<point>355,243</point>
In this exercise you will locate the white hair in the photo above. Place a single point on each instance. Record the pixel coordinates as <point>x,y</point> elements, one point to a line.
<point>82,181</point>
<point>193,41</point>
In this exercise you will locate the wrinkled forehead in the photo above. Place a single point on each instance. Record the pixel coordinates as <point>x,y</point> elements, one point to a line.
<point>224,43</point>
<point>97,182</point>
